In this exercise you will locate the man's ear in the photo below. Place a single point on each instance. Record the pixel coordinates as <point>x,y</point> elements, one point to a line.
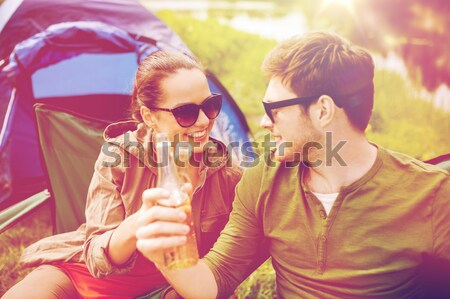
<point>324,110</point>
<point>147,117</point>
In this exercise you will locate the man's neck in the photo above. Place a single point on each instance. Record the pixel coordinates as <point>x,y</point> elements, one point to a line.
<point>359,157</point>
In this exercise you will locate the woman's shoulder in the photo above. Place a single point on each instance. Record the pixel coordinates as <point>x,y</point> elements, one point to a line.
<point>231,172</point>
<point>223,163</point>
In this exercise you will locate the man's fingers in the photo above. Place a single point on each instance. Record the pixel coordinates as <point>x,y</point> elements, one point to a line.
<point>160,213</point>
<point>154,245</point>
<point>187,188</point>
<point>152,195</point>
<point>158,229</point>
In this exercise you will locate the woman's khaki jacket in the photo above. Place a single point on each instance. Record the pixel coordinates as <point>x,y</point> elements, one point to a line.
<point>122,172</point>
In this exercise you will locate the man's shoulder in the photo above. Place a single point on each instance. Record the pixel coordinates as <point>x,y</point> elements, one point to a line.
<point>267,167</point>
<point>403,170</point>
<point>260,176</point>
<point>408,164</point>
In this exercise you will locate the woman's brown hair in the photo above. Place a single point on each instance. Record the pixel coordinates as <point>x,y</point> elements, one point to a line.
<point>151,72</point>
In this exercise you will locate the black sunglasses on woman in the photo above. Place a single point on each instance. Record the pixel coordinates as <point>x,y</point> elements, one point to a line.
<point>186,115</point>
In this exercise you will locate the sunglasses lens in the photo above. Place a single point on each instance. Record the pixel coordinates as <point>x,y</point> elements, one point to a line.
<point>186,115</point>
<point>212,106</point>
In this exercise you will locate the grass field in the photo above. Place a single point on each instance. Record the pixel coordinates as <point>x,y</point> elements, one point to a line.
<point>31,228</point>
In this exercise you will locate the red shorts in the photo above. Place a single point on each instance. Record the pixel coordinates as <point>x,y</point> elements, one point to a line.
<point>142,279</point>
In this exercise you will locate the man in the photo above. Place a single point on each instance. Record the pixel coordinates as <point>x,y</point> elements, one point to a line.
<point>353,220</point>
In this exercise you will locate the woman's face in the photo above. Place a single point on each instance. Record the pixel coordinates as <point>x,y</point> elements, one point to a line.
<point>183,87</point>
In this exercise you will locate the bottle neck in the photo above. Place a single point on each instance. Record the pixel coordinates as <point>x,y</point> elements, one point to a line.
<point>166,165</point>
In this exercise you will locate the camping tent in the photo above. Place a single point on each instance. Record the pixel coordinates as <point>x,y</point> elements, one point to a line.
<point>82,56</point>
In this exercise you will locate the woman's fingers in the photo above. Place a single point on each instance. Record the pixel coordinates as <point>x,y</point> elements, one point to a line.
<point>161,229</point>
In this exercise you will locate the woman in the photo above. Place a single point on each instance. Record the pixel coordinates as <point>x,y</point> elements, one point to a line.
<point>170,94</point>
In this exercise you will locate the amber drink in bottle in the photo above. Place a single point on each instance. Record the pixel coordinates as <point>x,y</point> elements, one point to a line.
<point>172,176</point>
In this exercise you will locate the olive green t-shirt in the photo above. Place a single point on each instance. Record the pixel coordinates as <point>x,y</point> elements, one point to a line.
<point>371,245</point>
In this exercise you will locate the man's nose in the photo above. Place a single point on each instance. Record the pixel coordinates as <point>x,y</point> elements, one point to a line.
<point>265,122</point>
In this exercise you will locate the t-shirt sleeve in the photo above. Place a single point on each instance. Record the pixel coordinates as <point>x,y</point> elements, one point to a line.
<point>437,266</point>
<point>440,221</point>
<point>239,244</point>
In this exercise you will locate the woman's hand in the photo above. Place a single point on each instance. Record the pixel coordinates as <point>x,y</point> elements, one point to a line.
<point>159,227</point>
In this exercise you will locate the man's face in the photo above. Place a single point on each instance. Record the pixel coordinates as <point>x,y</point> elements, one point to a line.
<point>292,128</point>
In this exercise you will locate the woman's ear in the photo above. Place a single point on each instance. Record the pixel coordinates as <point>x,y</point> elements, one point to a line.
<point>147,117</point>
<point>326,110</point>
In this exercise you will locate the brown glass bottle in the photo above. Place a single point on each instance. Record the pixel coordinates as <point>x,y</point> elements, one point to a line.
<point>172,176</point>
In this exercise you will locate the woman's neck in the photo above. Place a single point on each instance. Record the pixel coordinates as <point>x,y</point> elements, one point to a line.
<point>194,170</point>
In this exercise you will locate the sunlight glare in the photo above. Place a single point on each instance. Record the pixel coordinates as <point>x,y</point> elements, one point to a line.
<point>348,4</point>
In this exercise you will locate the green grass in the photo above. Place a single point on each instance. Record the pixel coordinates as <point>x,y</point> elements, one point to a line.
<point>260,284</point>
<point>30,229</point>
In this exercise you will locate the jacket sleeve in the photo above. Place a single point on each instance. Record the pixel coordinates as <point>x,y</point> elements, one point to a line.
<point>104,212</point>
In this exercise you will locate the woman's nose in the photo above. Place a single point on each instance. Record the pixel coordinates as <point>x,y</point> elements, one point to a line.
<point>202,119</point>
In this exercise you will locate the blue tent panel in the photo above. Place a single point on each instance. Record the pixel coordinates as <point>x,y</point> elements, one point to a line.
<point>33,16</point>
<point>100,76</point>
<point>24,153</point>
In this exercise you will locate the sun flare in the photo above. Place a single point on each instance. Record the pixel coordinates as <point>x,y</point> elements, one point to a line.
<point>348,4</point>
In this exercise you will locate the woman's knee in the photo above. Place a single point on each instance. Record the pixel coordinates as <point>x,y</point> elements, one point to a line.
<point>44,282</point>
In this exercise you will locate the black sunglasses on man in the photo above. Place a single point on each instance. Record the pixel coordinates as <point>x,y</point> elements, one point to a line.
<point>269,106</point>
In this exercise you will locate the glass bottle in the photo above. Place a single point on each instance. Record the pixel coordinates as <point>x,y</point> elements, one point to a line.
<point>173,176</point>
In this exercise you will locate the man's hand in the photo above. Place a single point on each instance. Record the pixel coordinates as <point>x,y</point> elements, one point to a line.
<point>159,227</point>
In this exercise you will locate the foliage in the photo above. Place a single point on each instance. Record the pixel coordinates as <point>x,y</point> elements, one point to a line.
<point>403,120</point>
<point>260,284</point>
